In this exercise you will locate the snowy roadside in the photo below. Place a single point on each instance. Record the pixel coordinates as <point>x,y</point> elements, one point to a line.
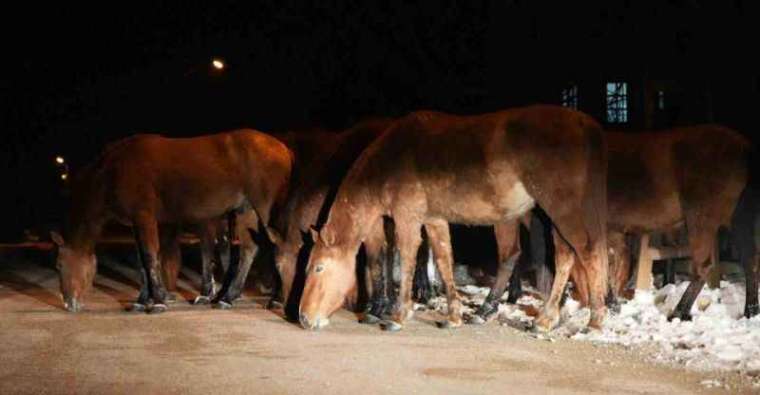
<point>718,338</point>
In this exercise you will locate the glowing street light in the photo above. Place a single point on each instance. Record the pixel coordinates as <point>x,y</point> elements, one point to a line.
<point>64,176</point>
<point>218,64</point>
<point>59,160</point>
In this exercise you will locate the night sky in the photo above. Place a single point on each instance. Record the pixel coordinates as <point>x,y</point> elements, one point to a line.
<point>76,77</point>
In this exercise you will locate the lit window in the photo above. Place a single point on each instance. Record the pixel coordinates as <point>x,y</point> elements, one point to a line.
<point>617,102</point>
<point>570,97</point>
<point>660,100</point>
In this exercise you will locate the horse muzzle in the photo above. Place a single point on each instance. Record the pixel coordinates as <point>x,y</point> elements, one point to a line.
<point>313,324</point>
<point>72,305</point>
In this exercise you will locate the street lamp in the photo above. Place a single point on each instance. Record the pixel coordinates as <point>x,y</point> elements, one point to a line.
<point>63,167</point>
<point>218,64</point>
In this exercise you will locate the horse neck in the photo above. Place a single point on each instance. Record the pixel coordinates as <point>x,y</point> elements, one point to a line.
<point>353,213</point>
<point>87,217</point>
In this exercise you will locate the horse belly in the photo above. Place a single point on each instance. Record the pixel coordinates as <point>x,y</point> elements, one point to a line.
<point>200,207</point>
<point>481,206</point>
<point>652,213</point>
<point>515,201</point>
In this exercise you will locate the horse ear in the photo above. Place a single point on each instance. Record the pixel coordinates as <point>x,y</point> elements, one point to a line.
<point>314,233</point>
<point>57,238</point>
<point>327,236</point>
<point>274,235</point>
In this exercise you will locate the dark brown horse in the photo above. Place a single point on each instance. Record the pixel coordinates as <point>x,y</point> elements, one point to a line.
<point>216,241</point>
<point>322,160</point>
<point>660,181</point>
<point>430,169</point>
<point>147,180</point>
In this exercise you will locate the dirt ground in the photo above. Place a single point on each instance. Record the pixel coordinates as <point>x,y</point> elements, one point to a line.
<point>196,349</point>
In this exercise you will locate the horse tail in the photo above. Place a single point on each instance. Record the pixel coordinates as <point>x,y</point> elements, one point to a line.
<point>745,224</point>
<point>595,205</point>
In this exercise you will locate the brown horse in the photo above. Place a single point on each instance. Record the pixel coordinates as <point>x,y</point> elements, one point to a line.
<point>212,241</point>
<point>322,160</point>
<point>660,181</point>
<point>146,180</point>
<point>430,169</point>
<point>216,240</point>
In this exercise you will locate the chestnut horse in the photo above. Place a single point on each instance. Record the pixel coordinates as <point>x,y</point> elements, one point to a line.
<point>147,180</point>
<point>431,168</point>
<point>693,177</point>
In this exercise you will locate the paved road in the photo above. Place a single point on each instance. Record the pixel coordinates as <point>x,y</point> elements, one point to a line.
<point>252,350</point>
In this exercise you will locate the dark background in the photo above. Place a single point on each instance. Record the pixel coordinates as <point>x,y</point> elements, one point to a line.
<point>74,77</point>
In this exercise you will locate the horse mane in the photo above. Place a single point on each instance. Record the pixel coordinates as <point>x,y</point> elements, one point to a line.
<point>86,187</point>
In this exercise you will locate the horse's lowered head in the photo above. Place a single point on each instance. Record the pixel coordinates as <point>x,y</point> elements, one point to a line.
<point>330,277</point>
<point>77,270</point>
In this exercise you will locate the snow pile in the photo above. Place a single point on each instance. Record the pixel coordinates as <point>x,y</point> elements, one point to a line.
<point>717,338</point>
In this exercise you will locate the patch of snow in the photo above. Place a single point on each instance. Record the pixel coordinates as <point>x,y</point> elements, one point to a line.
<point>718,337</point>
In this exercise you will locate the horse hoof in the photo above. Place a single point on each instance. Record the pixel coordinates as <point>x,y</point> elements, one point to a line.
<point>681,316</point>
<point>222,305</point>
<point>544,324</point>
<point>751,310</point>
<point>201,299</point>
<point>370,319</point>
<point>476,320</point>
<point>390,326</point>
<point>137,308</point>
<point>170,298</point>
<point>274,304</point>
<point>448,324</point>
<point>157,308</point>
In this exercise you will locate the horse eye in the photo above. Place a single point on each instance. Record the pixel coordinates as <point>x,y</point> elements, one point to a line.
<point>319,268</point>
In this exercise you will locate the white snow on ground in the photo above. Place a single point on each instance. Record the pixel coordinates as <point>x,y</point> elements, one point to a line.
<point>718,338</point>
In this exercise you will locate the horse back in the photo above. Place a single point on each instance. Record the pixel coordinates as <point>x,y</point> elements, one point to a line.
<point>195,178</point>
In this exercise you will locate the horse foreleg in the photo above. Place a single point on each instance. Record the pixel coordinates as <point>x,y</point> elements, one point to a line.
<point>208,257</point>
<point>146,235</point>
<point>408,240</point>
<point>423,290</point>
<point>508,244</point>
<point>541,251</point>
<point>242,255</point>
<point>377,259</point>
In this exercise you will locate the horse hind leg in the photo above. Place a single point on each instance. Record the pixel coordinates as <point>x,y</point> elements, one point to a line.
<point>702,245</point>
<point>508,242</point>
<point>171,259</point>
<point>574,245</point>
<point>439,240</point>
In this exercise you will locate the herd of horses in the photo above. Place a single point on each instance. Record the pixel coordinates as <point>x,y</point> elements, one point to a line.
<point>386,186</point>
